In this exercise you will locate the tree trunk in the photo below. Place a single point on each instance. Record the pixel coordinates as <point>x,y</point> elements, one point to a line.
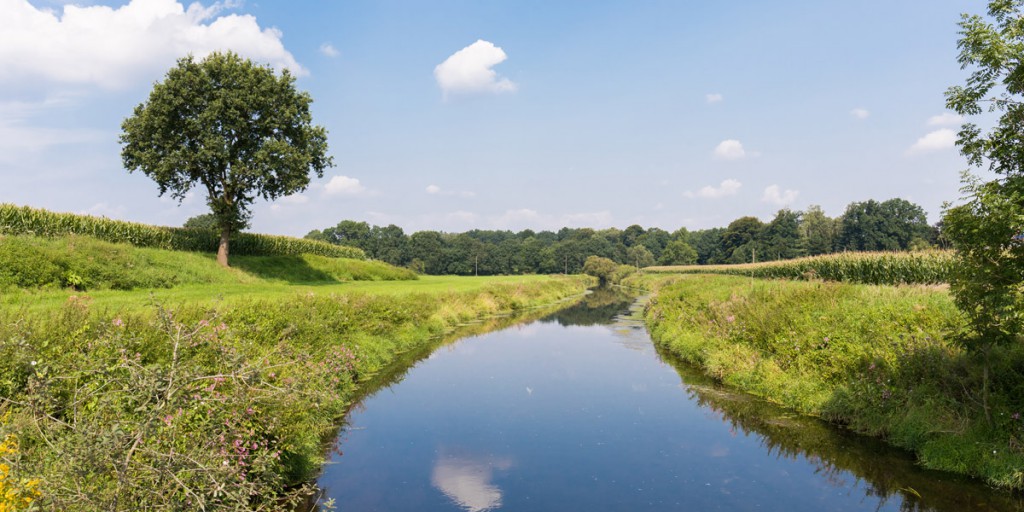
<point>222,250</point>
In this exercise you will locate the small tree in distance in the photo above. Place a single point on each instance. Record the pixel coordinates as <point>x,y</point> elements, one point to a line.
<point>601,268</point>
<point>229,126</point>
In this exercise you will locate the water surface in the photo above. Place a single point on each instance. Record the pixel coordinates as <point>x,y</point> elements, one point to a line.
<point>578,411</point>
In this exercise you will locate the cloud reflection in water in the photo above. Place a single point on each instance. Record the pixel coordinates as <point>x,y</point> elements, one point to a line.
<point>467,481</point>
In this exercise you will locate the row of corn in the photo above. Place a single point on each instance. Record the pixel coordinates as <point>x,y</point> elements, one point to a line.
<point>23,220</point>
<point>924,267</point>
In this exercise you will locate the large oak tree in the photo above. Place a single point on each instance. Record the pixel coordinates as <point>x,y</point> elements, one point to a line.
<point>229,126</point>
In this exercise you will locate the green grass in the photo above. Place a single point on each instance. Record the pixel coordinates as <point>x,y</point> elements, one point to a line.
<point>141,378</point>
<point>215,396</point>
<point>34,268</point>
<point>229,293</point>
<point>882,360</point>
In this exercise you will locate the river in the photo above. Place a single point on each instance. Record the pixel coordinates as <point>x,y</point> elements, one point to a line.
<point>579,411</point>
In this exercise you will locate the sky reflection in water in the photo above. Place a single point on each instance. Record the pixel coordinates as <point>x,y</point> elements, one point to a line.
<point>579,412</point>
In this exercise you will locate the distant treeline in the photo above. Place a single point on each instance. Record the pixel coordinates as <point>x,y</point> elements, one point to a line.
<point>891,225</point>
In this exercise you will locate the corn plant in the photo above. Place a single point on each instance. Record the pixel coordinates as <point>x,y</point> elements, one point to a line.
<point>925,267</point>
<point>24,220</point>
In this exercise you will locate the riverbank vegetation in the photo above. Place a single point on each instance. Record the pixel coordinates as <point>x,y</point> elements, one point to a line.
<point>142,378</point>
<point>882,360</point>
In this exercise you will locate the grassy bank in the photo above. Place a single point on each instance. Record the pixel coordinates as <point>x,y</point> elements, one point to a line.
<point>882,360</point>
<point>215,393</point>
<point>86,263</point>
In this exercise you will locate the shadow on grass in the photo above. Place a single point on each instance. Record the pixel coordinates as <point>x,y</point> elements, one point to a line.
<point>289,269</point>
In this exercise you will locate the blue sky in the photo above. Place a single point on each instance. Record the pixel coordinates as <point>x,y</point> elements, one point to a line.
<point>454,115</point>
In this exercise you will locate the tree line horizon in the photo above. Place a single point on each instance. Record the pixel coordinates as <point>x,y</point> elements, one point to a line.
<point>892,225</point>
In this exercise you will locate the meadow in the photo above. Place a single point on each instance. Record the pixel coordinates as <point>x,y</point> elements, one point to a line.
<point>144,378</point>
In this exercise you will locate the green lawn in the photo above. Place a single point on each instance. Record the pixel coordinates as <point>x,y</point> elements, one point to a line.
<point>40,300</point>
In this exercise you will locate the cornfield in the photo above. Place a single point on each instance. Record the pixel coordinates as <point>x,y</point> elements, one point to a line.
<point>926,267</point>
<point>23,220</point>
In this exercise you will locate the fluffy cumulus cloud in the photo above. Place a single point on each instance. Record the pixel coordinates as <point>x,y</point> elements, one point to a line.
<point>115,48</point>
<point>714,97</point>
<point>860,114</point>
<point>344,186</point>
<point>730,149</point>
<point>774,195</point>
<point>728,187</point>
<point>937,140</point>
<point>945,119</point>
<point>469,71</point>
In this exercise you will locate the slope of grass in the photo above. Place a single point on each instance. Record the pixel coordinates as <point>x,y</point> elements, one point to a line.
<point>882,360</point>
<point>86,263</point>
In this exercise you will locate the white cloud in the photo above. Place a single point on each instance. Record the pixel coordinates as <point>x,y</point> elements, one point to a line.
<point>860,113</point>
<point>941,139</point>
<point>329,50</point>
<point>945,119</point>
<point>776,196</point>
<point>296,198</point>
<point>714,97</point>
<point>730,149</point>
<point>104,210</point>
<point>469,70</point>
<point>438,191</point>
<point>18,140</point>
<point>728,187</point>
<point>522,216</point>
<point>115,48</point>
<point>343,185</point>
<point>461,216</point>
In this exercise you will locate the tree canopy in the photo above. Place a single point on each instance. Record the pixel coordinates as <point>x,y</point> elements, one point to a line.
<point>231,127</point>
<point>988,283</point>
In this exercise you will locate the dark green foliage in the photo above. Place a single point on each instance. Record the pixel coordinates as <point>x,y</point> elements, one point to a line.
<point>230,127</point>
<point>601,268</point>
<point>741,240</point>
<point>781,237</point>
<point>985,231</point>
<point>678,252</point>
<point>16,220</point>
<point>887,226</point>
<point>790,234</point>
<point>206,221</point>
<point>818,231</point>
<point>639,256</point>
